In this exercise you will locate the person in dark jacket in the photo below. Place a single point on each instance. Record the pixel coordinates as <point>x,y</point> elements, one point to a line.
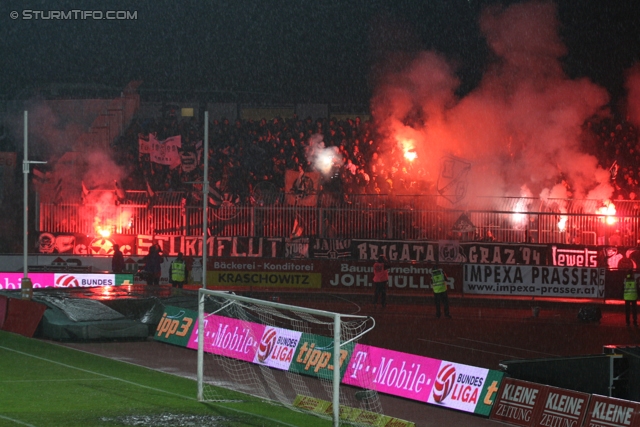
<point>117,260</point>
<point>380,281</point>
<point>152,265</point>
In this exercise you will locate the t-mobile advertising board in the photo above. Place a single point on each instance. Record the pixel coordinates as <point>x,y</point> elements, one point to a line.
<point>64,280</point>
<point>391,372</point>
<point>452,385</point>
<point>565,282</point>
<point>225,336</point>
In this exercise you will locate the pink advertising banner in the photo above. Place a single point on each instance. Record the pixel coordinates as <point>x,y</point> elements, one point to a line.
<point>64,280</point>
<point>14,280</point>
<point>392,372</point>
<point>228,337</point>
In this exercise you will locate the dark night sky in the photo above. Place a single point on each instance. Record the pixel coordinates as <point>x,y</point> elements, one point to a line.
<point>302,50</point>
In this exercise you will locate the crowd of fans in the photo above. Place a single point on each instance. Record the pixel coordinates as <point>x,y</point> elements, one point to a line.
<point>245,153</point>
<point>617,148</point>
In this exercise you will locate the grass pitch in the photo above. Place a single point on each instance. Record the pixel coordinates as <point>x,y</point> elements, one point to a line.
<point>47,385</point>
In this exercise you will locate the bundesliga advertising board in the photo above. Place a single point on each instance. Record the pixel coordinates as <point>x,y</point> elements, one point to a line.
<point>447,384</point>
<point>12,281</point>
<point>451,385</point>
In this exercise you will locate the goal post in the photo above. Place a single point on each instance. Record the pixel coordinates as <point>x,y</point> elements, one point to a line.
<point>279,352</point>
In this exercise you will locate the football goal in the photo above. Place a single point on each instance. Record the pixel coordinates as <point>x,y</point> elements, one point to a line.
<point>283,353</point>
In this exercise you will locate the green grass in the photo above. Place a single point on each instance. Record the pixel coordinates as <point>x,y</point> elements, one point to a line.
<point>47,385</point>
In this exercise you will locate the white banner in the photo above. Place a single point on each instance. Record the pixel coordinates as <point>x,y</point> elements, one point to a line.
<point>164,152</point>
<point>527,280</point>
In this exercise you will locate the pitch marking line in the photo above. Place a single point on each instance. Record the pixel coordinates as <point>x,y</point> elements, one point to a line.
<point>468,348</point>
<point>134,384</point>
<point>509,347</point>
<point>2,417</point>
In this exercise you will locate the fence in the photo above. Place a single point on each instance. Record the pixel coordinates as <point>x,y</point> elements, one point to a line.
<point>362,217</point>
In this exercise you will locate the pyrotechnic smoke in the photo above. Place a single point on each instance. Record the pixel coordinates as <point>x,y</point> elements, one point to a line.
<point>520,128</point>
<point>632,84</point>
<point>325,160</point>
<point>59,133</point>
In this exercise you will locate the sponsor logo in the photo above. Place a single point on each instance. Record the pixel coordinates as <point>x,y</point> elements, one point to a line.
<point>267,343</point>
<point>444,383</point>
<point>178,325</point>
<point>66,281</point>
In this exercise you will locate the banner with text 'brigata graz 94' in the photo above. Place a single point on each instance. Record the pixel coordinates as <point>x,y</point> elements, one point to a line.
<point>526,280</point>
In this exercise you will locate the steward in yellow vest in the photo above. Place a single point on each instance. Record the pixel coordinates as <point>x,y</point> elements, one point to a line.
<point>631,298</point>
<point>178,271</point>
<point>439,286</point>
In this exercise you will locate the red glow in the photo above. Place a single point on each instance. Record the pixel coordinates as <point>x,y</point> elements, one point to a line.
<point>609,210</point>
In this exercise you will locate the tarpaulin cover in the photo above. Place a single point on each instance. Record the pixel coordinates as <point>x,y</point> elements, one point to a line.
<point>80,309</point>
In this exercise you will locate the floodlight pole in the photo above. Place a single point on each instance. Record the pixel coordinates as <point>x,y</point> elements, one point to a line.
<point>205,199</point>
<point>25,231</point>
<point>26,285</point>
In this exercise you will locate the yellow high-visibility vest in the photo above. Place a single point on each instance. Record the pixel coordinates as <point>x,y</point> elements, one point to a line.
<point>630,289</point>
<point>439,285</point>
<point>177,271</point>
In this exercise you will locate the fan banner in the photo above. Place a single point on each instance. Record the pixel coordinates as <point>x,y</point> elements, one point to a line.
<point>165,152</point>
<point>301,188</point>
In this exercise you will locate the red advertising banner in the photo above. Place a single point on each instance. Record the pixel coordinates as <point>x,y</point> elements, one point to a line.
<point>518,402</point>
<point>609,412</point>
<point>563,408</point>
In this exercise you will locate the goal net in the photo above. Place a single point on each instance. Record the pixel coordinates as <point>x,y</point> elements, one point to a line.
<point>283,353</point>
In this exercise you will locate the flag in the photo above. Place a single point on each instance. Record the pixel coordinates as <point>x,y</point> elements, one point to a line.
<point>150,193</point>
<point>453,180</point>
<point>119,191</point>
<point>463,225</point>
<point>215,198</point>
<point>301,187</point>
<point>298,229</point>
<point>85,193</point>
<point>57,191</point>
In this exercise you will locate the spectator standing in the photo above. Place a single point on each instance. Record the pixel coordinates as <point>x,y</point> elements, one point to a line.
<point>178,271</point>
<point>380,281</point>
<point>439,285</point>
<point>631,298</point>
<point>152,266</point>
<point>117,260</point>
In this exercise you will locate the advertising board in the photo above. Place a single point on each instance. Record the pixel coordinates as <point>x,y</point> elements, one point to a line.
<point>176,326</point>
<point>610,412</point>
<point>392,372</point>
<point>518,402</point>
<point>237,339</point>
<point>11,281</point>
<point>565,282</point>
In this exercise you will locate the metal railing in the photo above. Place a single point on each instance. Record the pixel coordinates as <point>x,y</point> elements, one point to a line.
<point>366,217</point>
